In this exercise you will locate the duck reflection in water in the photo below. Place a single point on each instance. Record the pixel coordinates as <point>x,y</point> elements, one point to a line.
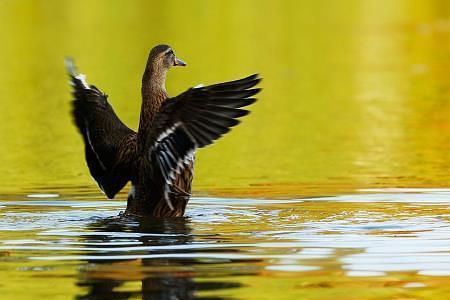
<point>157,277</point>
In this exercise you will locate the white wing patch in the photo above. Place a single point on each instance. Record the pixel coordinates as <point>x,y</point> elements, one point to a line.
<point>181,162</point>
<point>167,132</point>
<point>92,147</point>
<point>198,86</point>
<point>188,158</point>
<point>82,79</point>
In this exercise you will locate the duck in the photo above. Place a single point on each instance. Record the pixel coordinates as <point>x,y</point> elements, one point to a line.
<point>158,159</point>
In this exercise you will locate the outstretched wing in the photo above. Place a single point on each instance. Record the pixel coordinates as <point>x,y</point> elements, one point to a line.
<point>109,144</point>
<point>195,119</point>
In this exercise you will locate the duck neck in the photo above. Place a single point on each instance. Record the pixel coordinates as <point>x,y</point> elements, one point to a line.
<point>153,95</point>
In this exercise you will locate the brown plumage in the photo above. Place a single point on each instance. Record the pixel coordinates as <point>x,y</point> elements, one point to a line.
<point>158,159</point>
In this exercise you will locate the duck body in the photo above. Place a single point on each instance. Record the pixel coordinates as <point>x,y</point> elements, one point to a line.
<point>159,158</point>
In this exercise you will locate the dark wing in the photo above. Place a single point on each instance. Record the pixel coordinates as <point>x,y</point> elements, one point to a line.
<point>109,144</point>
<point>195,119</point>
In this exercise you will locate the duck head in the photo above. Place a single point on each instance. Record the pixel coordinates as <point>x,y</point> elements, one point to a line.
<point>162,57</point>
<point>160,60</point>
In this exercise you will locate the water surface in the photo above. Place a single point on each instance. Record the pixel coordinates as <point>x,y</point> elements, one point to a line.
<point>383,244</point>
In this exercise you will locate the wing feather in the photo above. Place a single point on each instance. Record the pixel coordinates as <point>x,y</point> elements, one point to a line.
<point>109,143</point>
<point>195,119</point>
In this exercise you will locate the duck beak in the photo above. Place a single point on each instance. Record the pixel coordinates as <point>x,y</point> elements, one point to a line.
<point>179,62</point>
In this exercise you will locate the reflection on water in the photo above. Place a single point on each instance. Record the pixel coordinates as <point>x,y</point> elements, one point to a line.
<point>378,244</point>
<point>160,278</point>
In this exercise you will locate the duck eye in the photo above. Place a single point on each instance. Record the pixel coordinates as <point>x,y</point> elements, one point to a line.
<point>169,52</point>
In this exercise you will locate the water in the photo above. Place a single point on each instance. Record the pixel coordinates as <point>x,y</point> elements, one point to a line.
<point>355,95</point>
<point>335,187</point>
<point>377,244</point>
